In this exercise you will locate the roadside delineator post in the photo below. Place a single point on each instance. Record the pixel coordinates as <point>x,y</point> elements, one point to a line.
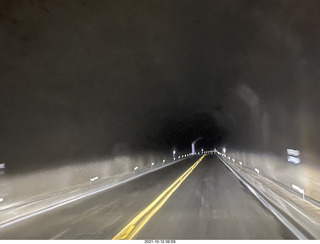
<point>298,189</point>
<point>258,171</point>
<point>93,179</point>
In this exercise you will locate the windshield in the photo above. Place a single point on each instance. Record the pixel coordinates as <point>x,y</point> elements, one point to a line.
<point>160,121</point>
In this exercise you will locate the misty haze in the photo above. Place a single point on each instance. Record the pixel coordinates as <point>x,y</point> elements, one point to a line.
<point>159,120</point>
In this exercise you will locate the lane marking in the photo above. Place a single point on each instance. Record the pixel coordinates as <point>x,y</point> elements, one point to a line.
<point>15,219</point>
<point>311,220</point>
<point>59,234</point>
<point>148,216</point>
<point>303,214</point>
<point>279,216</point>
<point>128,232</point>
<point>143,217</point>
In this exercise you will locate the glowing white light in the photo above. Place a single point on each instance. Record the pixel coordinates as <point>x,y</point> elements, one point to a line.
<point>163,161</point>
<point>293,159</point>
<point>293,152</point>
<point>232,160</point>
<point>240,163</point>
<point>135,168</point>
<point>258,171</point>
<point>2,166</point>
<point>174,151</point>
<point>152,164</point>
<point>179,157</point>
<point>174,158</point>
<point>224,150</point>
<point>1,199</point>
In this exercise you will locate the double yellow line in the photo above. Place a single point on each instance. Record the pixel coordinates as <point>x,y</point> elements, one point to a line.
<point>131,229</point>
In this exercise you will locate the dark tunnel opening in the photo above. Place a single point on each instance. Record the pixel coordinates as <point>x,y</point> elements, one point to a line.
<point>180,131</point>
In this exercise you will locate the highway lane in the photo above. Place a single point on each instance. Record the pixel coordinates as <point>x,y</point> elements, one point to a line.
<point>213,204</point>
<point>209,204</point>
<point>99,216</point>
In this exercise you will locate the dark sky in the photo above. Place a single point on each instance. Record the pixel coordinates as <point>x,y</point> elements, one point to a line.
<point>83,79</point>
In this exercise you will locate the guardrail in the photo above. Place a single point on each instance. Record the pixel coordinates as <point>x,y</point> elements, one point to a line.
<point>301,209</point>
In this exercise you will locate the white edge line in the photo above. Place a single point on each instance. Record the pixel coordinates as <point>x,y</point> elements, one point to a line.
<point>311,220</point>
<point>279,216</point>
<point>303,214</point>
<point>59,234</point>
<point>16,220</point>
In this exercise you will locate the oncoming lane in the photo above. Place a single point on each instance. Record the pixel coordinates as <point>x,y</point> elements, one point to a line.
<point>99,216</point>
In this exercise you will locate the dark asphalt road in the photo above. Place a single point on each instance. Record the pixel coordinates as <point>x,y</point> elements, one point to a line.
<point>210,204</point>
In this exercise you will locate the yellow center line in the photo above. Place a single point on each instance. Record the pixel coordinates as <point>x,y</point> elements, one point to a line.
<point>128,232</point>
<point>131,229</point>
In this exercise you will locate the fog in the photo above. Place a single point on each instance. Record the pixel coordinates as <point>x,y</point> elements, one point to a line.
<point>84,80</point>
